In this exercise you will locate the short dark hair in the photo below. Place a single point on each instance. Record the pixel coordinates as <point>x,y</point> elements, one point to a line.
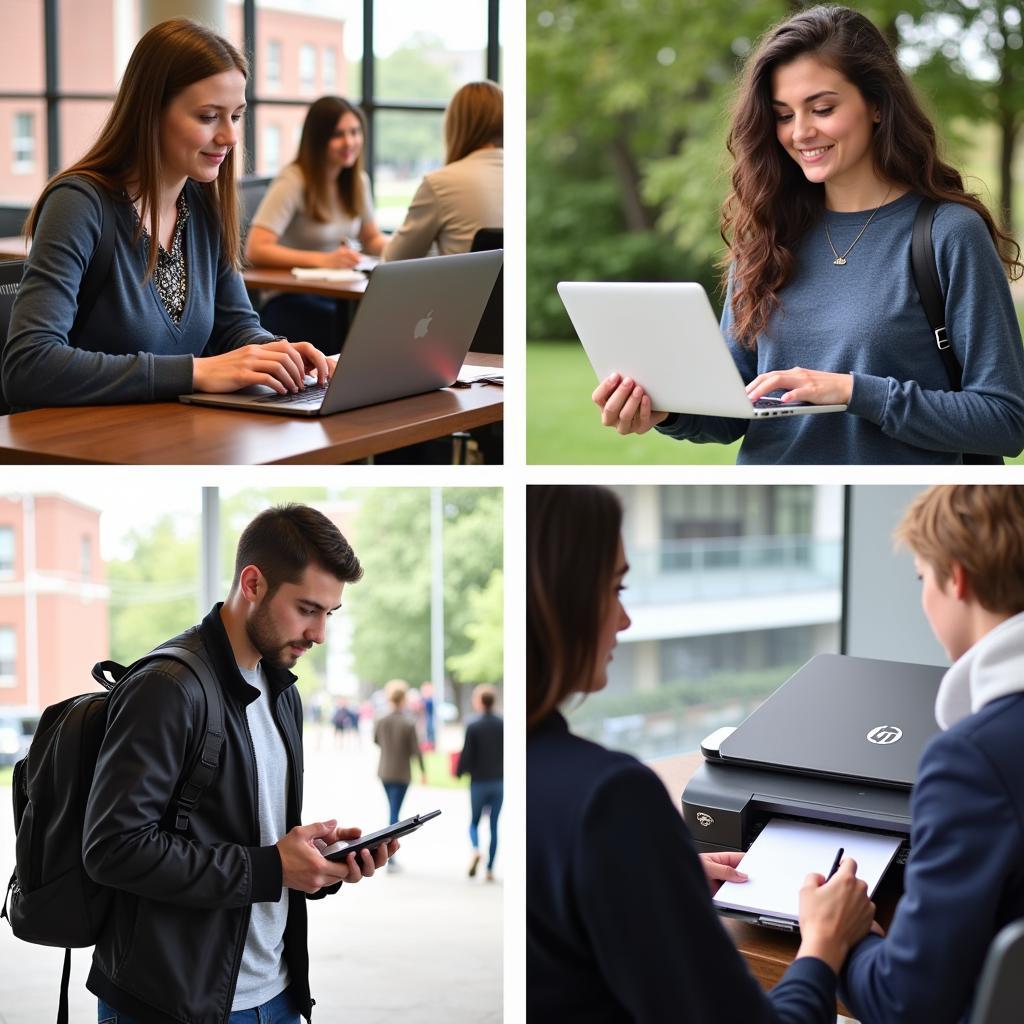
<point>283,540</point>
<point>572,538</point>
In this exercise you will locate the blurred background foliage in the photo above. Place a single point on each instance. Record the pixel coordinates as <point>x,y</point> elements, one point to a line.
<point>628,105</point>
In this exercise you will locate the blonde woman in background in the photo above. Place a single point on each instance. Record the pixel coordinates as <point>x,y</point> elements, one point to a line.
<point>455,201</point>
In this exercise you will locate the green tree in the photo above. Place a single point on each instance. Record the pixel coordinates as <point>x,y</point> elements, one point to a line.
<point>484,661</point>
<point>390,609</point>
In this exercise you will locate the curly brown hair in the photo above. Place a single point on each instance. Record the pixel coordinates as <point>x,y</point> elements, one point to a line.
<point>772,205</point>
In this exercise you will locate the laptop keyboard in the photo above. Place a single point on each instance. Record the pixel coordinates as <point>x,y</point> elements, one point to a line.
<point>311,393</point>
<point>774,403</point>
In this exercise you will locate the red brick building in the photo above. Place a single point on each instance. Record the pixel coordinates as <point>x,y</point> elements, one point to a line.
<point>53,599</point>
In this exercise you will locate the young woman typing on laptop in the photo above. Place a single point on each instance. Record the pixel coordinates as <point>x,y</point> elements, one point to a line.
<point>454,202</point>
<point>619,921</point>
<point>833,155</point>
<point>314,214</point>
<point>172,316</point>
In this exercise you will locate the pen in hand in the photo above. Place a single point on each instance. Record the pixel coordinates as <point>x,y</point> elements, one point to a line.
<point>835,863</point>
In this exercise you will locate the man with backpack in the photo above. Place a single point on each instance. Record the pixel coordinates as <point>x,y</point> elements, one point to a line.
<point>208,915</point>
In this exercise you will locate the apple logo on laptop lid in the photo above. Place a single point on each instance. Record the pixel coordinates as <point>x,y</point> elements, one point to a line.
<point>422,326</point>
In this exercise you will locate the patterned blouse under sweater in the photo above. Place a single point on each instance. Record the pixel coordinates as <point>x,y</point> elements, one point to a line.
<point>171,275</point>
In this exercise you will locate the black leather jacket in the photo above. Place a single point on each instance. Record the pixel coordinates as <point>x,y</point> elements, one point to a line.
<point>171,947</point>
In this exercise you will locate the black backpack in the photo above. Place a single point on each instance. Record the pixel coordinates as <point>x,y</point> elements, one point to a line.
<point>53,901</point>
<point>926,277</point>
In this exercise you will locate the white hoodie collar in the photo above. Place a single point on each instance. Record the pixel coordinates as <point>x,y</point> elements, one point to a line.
<point>992,668</point>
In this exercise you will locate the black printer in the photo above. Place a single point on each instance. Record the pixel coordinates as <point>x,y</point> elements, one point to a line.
<point>838,743</point>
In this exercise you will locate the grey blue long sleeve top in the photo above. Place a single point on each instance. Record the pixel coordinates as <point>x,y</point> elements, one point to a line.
<point>620,928</point>
<point>866,318</point>
<point>129,350</point>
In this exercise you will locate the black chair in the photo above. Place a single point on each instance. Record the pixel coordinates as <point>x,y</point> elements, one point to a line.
<point>252,191</point>
<point>1000,993</point>
<point>11,272</point>
<point>12,219</point>
<point>490,334</point>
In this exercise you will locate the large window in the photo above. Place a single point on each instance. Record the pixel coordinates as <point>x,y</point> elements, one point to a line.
<point>8,655</point>
<point>6,550</point>
<point>401,60</point>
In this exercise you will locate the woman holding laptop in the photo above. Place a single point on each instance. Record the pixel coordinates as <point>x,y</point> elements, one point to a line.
<point>833,155</point>
<point>619,920</point>
<point>156,193</point>
<point>318,212</point>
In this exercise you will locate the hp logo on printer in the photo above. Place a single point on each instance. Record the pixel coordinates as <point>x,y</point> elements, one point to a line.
<point>883,735</point>
<point>705,820</point>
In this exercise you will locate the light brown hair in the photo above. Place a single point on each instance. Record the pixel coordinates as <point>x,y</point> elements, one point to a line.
<point>486,695</point>
<point>572,543</point>
<point>396,691</point>
<point>980,526</point>
<point>318,127</point>
<point>772,205</point>
<point>474,118</point>
<point>170,57</point>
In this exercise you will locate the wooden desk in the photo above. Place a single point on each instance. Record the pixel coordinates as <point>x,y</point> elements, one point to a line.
<point>278,280</point>
<point>767,953</point>
<point>13,247</point>
<point>169,433</point>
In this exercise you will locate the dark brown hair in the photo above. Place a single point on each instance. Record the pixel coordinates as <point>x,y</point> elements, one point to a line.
<point>282,541</point>
<point>772,204</point>
<point>981,526</point>
<point>321,120</point>
<point>572,540</point>
<point>474,118</point>
<point>168,59</point>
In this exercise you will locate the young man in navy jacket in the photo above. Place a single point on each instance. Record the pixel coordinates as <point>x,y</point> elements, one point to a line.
<point>965,875</point>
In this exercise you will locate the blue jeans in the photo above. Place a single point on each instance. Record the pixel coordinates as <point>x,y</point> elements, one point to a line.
<point>396,794</point>
<point>489,795</point>
<point>279,1010</point>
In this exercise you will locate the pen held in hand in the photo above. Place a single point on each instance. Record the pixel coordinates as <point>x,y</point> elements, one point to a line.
<point>835,863</point>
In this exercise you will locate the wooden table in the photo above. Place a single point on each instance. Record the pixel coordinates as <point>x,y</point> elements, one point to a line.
<point>768,953</point>
<point>13,247</point>
<point>279,280</point>
<point>170,433</point>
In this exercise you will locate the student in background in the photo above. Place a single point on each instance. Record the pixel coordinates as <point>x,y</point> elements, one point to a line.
<point>395,734</point>
<point>965,875</point>
<point>318,212</point>
<point>619,921</point>
<point>173,316</point>
<point>483,760</point>
<point>454,202</point>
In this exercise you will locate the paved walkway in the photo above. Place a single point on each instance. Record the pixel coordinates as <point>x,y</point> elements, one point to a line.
<point>421,945</point>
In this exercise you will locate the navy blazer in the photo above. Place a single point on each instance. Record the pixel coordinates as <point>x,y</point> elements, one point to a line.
<point>964,878</point>
<point>619,922</point>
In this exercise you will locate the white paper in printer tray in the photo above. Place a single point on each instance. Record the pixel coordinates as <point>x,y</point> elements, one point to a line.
<point>785,852</point>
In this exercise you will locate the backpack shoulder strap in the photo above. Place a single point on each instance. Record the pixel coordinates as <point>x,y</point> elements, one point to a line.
<point>109,673</point>
<point>926,277</point>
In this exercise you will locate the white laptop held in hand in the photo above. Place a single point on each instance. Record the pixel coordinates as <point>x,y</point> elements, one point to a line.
<point>666,338</point>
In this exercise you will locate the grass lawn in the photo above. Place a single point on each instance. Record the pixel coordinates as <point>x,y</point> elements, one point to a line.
<point>5,776</point>
<point>563,425</point>
<point>439,771</point>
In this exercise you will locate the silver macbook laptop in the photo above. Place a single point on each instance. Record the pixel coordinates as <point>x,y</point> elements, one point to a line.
<point>665,336</point>
<point>410,334</point>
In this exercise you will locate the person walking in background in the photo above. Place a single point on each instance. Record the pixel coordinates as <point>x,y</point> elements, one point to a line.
<point>482,759</point>
<point>454,202</point>
<point>429,726</point>
<point>395,734</point>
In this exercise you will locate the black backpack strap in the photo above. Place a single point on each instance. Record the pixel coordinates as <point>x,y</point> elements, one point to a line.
<point>926,277</point>
<point>65,980</point>
<point>206,765</point>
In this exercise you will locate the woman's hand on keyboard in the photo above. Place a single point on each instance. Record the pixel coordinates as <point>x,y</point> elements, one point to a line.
<point>280,365</point>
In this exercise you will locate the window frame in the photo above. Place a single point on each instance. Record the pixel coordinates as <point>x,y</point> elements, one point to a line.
<point>53,96</point>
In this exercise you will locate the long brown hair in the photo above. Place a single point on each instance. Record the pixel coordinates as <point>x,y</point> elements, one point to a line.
<point>321,120</point>
<point>772,205</point>
<point>572,540</point>
<point>166,60</point>
<point>474,118</point>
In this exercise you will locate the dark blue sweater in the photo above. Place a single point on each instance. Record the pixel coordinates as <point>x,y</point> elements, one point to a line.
<point>619,922</point>
<point>866,318</point>
<point>130,350</point>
